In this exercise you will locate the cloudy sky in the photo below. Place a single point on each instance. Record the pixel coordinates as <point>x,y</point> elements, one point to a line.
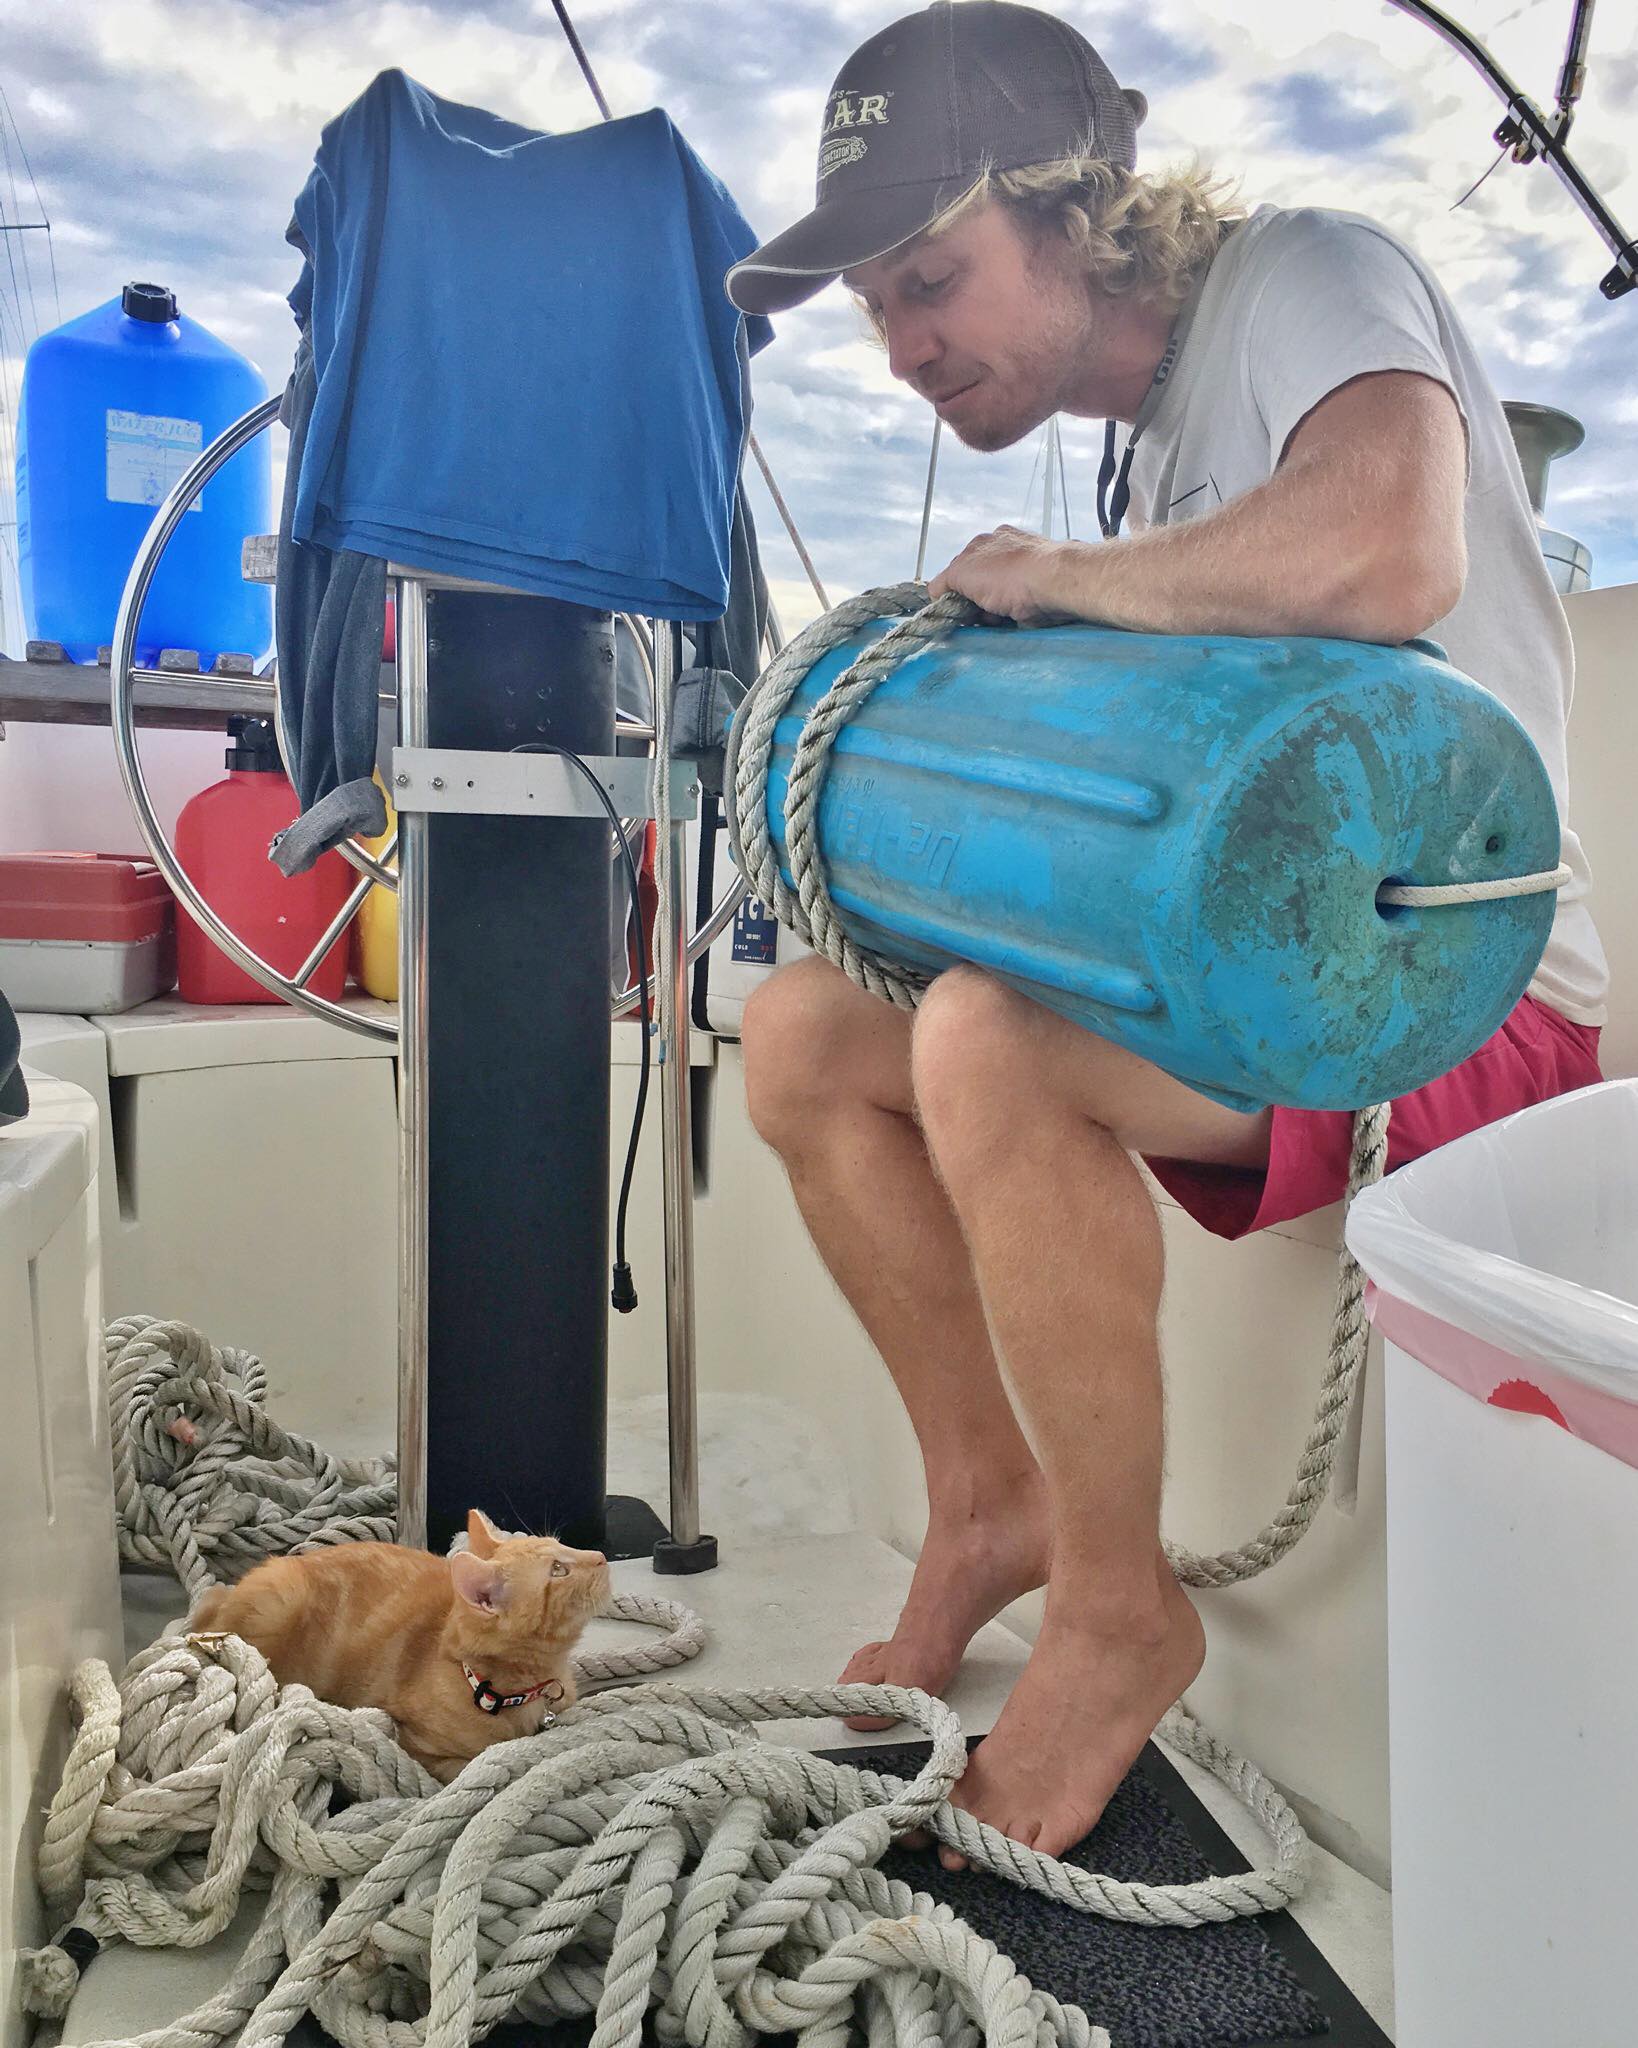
<point>168,138</point>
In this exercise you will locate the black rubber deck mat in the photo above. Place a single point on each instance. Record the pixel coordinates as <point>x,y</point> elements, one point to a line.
<point>1257,1983</point>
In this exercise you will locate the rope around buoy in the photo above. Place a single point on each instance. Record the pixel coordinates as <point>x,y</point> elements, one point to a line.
<point>808,910</point>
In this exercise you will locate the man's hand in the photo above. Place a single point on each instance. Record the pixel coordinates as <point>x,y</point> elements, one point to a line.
<point>1011,574</point>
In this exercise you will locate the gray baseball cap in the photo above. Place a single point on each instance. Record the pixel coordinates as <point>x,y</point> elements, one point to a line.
<point>915,117</point>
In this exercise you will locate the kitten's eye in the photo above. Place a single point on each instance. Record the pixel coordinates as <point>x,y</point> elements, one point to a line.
<point>559,1569</point>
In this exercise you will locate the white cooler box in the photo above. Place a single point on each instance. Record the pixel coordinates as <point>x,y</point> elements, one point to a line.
<point>84,934</point>
<point>1505,1276</point>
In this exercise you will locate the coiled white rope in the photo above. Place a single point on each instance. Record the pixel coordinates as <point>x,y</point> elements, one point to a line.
<point>206,1483</point>
<point>646,1855</point>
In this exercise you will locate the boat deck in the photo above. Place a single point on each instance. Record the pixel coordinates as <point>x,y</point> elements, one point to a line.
<point>785,1611</point>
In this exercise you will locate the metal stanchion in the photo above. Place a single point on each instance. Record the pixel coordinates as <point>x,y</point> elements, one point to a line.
<point>412,1082</point>
<point>685,1550</point>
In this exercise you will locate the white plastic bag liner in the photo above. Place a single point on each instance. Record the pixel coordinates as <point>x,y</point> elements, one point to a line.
<point>1507,1262</point>
<point>1506,1268</point>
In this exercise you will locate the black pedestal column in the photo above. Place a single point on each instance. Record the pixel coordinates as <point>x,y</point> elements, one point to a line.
<point>517,1035</point>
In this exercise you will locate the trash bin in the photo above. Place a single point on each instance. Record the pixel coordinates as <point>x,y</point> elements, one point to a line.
<point>1504,1273</point>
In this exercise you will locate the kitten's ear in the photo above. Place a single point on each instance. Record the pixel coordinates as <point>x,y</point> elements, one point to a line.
<point>481,1534</point>
<point>479,1581</point>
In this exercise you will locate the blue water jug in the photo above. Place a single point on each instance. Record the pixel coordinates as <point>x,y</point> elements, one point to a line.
<point>116,405</point>
<point>1179,843</point>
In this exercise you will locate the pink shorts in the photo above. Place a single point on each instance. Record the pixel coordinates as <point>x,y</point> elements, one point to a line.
<point>1536,1054</point>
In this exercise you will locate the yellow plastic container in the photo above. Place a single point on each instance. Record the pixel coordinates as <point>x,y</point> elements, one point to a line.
<point>377,928</point>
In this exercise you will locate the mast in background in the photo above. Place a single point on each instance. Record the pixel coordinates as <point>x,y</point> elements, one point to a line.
<point>24,225</point>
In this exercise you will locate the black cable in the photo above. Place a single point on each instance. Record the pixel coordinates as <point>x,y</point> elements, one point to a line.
<point>1106,476</point>
<point>624,1293</point>
<point>1477,182</point>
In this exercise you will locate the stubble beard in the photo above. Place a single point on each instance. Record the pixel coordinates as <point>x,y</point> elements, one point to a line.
<point>1067,330</point>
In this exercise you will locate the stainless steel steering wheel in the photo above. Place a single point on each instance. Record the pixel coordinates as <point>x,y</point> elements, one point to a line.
<point>125,674</point>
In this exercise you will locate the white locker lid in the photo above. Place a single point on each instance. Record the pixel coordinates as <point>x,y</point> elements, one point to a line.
<point>168,1036</point>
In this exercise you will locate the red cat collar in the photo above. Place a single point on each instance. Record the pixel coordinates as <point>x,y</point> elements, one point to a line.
<point>485,1696</point>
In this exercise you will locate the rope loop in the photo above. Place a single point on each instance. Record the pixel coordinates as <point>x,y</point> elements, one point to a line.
<point>807,909</point>
<point>1439,895</point>
<point>206,1484</point>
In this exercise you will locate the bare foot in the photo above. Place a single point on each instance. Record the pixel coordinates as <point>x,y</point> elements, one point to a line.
<point>1089,1698</point>
<point>969,1569</point>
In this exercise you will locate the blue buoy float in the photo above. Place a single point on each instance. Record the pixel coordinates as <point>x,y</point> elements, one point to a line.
<point>1180,844</point>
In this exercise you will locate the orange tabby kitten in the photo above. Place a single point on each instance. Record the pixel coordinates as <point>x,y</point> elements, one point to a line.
<point>461,1651</point>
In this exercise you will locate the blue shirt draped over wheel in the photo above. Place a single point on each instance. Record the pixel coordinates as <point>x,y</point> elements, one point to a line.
<point>523,370</point>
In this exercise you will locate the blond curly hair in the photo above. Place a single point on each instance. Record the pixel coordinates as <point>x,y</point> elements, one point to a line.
<point>1142,233</point>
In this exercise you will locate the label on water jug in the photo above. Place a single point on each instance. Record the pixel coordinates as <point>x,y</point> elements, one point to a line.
<point>148,454</point>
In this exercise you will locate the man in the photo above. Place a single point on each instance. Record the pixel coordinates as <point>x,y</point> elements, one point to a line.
<point>1317,451</point>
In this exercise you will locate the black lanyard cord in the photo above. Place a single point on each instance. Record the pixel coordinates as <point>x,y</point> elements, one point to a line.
<point>1111,515</point>
<point>1112,511</point>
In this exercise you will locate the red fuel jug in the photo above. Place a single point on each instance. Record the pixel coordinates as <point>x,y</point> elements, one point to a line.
<point>222,838</point>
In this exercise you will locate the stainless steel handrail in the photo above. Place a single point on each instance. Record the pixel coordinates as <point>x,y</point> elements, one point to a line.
<point>414,1178</point>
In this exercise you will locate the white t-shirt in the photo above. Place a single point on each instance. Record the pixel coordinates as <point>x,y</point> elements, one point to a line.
<point>1298,302</point>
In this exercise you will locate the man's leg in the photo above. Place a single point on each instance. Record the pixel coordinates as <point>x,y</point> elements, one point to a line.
<point>828,1083</point>
<point>1031,1123</point>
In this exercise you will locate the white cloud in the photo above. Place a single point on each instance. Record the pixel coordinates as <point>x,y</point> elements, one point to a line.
<point>283,69</point>
<point>47,106</point>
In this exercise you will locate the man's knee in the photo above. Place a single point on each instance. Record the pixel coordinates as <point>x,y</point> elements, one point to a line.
<point>986,1061</point>
<point>970,1049</point>
<point>795,1037</point>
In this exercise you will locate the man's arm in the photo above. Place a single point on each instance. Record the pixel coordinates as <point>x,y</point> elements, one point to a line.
<point>1358,535</point>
